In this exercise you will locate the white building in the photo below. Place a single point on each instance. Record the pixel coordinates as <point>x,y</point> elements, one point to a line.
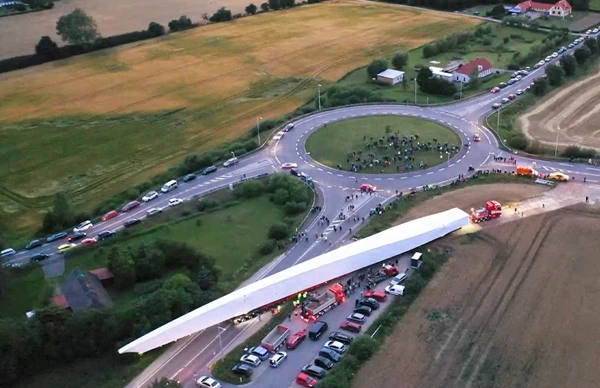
<point>390,77</point>
<point>439,72</point>
<point>480,66</point>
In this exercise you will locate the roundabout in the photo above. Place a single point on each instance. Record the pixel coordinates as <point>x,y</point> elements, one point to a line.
<point>383,144</point>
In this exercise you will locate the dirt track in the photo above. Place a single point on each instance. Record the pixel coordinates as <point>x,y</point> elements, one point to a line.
<point>575,109</point>
<point>516,306</point>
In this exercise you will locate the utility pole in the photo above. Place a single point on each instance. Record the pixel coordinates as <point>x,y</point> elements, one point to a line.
<point>258,128</point>
<point>319,94</point>
<point>556,145</point>
<point>498,123</point>
<point>415,90</point>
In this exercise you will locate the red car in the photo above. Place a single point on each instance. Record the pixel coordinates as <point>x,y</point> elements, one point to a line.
<point>351,326</point>
<point>476,137</point>
<point>495,90</point>
<point>89,241</point>
<point>295,340</point>
<point>130,206</point>
<point>368,188</point>
<point>305,380</point>
<point>110,215</point>
<point>512,96</point>
<point>379,296</point>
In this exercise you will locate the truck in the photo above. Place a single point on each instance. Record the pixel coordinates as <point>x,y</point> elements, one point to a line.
<point>276,338</point>
<point>388,271</point>
<point>492,210</point>
<point>320,304</point>
<point>526,171</point>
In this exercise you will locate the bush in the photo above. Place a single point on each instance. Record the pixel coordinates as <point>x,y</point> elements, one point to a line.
<point>268,247</point>
<point>250,189</point>
<point>574,151</point>
<point>278,231</point>
<point>518,141</point>
<point>147,287</point>
<point>364,347</point>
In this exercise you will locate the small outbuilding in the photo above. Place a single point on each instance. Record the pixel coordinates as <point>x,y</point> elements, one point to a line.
<point>390,77</point>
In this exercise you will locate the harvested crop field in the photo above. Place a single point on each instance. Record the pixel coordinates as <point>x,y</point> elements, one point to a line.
<point>99,124</point>
<point>575,109</point>
<point>515,306</point>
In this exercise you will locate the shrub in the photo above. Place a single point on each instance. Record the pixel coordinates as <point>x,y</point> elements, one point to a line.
<point>574,151</point>
<point>206,204</point>
<point>364,347</point>
<point>278,231</point>
<point>268,247</point>
<point>250,189</point>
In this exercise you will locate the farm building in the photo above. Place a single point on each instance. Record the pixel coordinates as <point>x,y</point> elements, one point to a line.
<point>390,77</point>
<point>84,290</point>
<point>560,9</point>
<point>463,74</point>
<point>439,72</point>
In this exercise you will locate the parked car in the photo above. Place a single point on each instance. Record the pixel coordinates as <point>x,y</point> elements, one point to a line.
<point>189,177</point>
<point>505,100</point>
<point>364,310</point>
<point>175,201</point>
<point>379,296</point>
<point>110,215</point>
<point>207,382</point>
<point>314,371</point>
<point>231,162</point>
<point>39,257</point>
<point>133,221</point>
<point>105,234</point>
<point>295,340</point>
<point>351,327</point>
<point>294,172</point>
<point>395,289</point>
<point>305,380</point>
<point>519,92</point>
<point>337,346</point>
<point>502,85</point>
<point>130,206</point>
<point>330,354</point>
<point>258,351</point>
<point>323,362</point>
<point>150,196</point>
<point>65,247</point>
<point>277,359</point>
<point>399,278</point>
<point>85,225</point>
<point>251,360</point>
<point>357,317</point>
<point>56,236</point>
<point>88,241</point>
<point>496,106</point>
<point>33,244</point>
<point>153,211</point>
<point>512,96</point>
<point>76,236</point>
<point>242,370</point>
<point>8,252</point>
<point>372,303</point>
<point>495,90</point>
<point>341,337</point>
<point>208,170</point>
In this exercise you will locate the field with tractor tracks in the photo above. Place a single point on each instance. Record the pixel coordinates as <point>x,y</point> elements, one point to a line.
<point>98,124</point>
<point>515,306</point>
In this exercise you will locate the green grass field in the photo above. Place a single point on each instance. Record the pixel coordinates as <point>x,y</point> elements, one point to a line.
<point>498,53</point>
<point>595,5</point>
<point>26,289</point>
<point>332,145</point>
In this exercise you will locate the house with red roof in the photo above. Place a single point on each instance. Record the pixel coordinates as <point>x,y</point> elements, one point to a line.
<point>560,9</point>
<point>479,67</point>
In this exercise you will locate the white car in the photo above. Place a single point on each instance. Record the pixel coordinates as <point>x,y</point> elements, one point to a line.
<point>175,201</point>
<point>207,382</point>
<point>251,360</point>
<point>395,289</point>
<point>279,135</point>
<point>277,359</point>
<point>519,92</point>
<point>287,166</point>
<point>230,162</point>
<point>337,346</point>
<point>588,32</point>
<point>153,211</point>
<point>85,225</point>
<point>8,252</point>
<point>289,127</point>
<point>150,196</point>
<point>595,30</point>
<point>554,55</point>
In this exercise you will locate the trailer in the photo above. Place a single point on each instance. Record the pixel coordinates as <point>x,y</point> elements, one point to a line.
<point>492,209</point>
<point>320,304</point>
<point>276,338</point>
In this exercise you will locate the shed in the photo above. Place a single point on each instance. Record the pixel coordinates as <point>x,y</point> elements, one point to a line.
<point>390,77</point>
<point>83,290</point>
<point>416,261</point>
<point>104,275</point>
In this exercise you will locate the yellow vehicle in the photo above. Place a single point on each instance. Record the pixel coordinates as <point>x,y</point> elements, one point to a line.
<point>66,247</point>
<point>558,176</point>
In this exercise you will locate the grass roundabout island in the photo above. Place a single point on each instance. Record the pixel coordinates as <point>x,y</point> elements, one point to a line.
<point>383,144</point>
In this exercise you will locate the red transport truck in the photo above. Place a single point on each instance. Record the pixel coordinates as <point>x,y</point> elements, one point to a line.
<point>492,210</point>
<point>276,338</point>
<point>320,304</point>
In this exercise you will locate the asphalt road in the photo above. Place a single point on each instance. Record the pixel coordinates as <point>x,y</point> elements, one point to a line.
<point>197,352</point>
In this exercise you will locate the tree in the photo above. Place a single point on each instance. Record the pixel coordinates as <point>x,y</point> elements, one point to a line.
<point>278,231</point>
<point>376,67</point>
<point>264,7</point>
<point>77,28</point>
<point>555,74</point>
<point>592,44</point>
<point>149,262</point>
<point>180,24</point>
<point>569,64</point>
<point>156,29</point>
<point>46,48</point>
<point>274,4</point>
<point>222,15</point>
<point>540,86</point>
<point>251,9</point>
<point>121,264</point>
<point>205,278</point>
<point>400,60</point>
<point>582,54</point>
<point>475,81</point>
<point>363,348</point>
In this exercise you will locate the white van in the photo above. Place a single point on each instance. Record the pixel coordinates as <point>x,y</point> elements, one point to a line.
<point>7,252</point>
<point>170,185</point>
<point>398,278</point>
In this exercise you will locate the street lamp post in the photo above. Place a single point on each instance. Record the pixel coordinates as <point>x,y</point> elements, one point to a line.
<point>220,329</point>
<point>498,122</point>
<point>556,145</point>
<point>235,165</point>
<point>319,95</point>
<point>258,128</point>
<point>415,90</point>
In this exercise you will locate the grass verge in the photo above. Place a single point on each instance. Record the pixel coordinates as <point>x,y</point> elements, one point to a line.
<point>332,145</point>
